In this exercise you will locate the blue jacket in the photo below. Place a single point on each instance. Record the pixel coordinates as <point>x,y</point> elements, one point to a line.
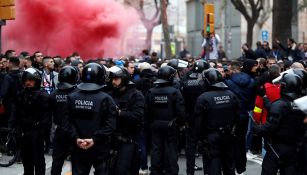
<point>243,85</point>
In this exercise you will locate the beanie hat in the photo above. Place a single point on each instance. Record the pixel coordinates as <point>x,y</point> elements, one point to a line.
<point>248,64</point>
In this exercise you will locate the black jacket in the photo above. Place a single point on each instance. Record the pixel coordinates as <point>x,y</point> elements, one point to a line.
<point>131,103</point>
<point>294,53</point>
<point>33,110</point>
<point>192,88</point>
<point>90,114</point>
<point>58,101</point>
<point>216,109</point>
<point>145,82</point>
<point>244,87</point>
<point>165,103</point>
<point>284,123</point>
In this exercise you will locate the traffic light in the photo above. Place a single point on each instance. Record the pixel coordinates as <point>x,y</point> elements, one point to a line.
<point>209,18</point>
<point>7,9</point>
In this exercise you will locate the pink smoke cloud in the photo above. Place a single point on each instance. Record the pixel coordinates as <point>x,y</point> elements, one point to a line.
<point>93,28</point>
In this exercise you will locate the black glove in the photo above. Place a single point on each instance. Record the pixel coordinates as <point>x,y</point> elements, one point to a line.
<point>261,91</point>
<point>173,123</point>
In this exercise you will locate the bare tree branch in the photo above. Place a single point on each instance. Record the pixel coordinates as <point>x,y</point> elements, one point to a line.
<point>246,6</point>
<point>265,14</point>
<point>241,8</point>
<point>149,24</point>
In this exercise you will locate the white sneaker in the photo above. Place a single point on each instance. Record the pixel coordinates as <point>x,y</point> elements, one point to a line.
<point>143,172</point>
<point>239,174</point>
<point>250,155</point>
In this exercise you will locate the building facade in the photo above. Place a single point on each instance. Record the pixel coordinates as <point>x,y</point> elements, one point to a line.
<point>231,26</point>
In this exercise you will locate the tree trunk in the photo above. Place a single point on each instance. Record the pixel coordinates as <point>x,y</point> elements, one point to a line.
<point>249,35</point>
<point>149,31</point>
<point>167,43</point>
<point>282,15</point>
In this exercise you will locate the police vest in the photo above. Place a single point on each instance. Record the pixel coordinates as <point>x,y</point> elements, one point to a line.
<point>88,110</point>
<point>191,90</point>
<point>163,103</point>
<point>59,100</point>
<point>222,108</point>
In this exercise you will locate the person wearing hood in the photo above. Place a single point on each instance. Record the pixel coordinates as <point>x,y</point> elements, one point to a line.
<point>167,113</point>
<point>130,116</point>
<point>243,85</point>
<point>215,128</point>
<point>284,130</point>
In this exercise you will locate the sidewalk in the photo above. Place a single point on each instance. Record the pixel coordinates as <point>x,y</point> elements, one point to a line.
<point>17,169</point>
<point>253,167</point>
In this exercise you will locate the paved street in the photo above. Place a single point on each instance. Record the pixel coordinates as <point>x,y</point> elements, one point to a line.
<point>253,167</point>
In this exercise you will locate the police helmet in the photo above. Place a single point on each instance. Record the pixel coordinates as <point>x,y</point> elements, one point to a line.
<point>166,74</point>
<point>107,73</point>
<point>212,77</point>
<point>200,65</point>
<point>178,64</point>
<point>120,72</point>
<point>93,77</point>
<point>68,77</point>
<point>32,74</point>
<point>302,74</point>
<point>291,85</point>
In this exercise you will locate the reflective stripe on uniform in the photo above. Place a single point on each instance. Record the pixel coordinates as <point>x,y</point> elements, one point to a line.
<point>257,110</point>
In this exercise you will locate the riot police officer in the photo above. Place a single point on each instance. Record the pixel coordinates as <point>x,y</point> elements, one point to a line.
<point>216,112</point>
<point>32,117</point>
<point>191,89</point>
<point>181,68</point>
<point>130,103</point>
<point>283,130</point>
<point>91,119</point>
<point>166,110</point>
<point>68,77</point>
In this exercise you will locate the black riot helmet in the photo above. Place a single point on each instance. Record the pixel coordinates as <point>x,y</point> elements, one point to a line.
<point>177,64</point>
<point>93,77</point>
<point>200,65</point>
<point>68,77</point>
<point>166,74</point>
<point>303,75</point>
<point>32,74</point>
<point>120,72</point>
<point>291,85</point>
<point>212,77</point>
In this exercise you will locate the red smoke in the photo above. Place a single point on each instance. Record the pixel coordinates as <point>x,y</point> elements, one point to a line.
<point>93,28</point>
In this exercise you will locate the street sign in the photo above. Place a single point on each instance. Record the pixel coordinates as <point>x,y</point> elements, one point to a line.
<point>265,35</point>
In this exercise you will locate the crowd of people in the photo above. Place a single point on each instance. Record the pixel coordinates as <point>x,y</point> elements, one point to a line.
<point>113,113</point>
